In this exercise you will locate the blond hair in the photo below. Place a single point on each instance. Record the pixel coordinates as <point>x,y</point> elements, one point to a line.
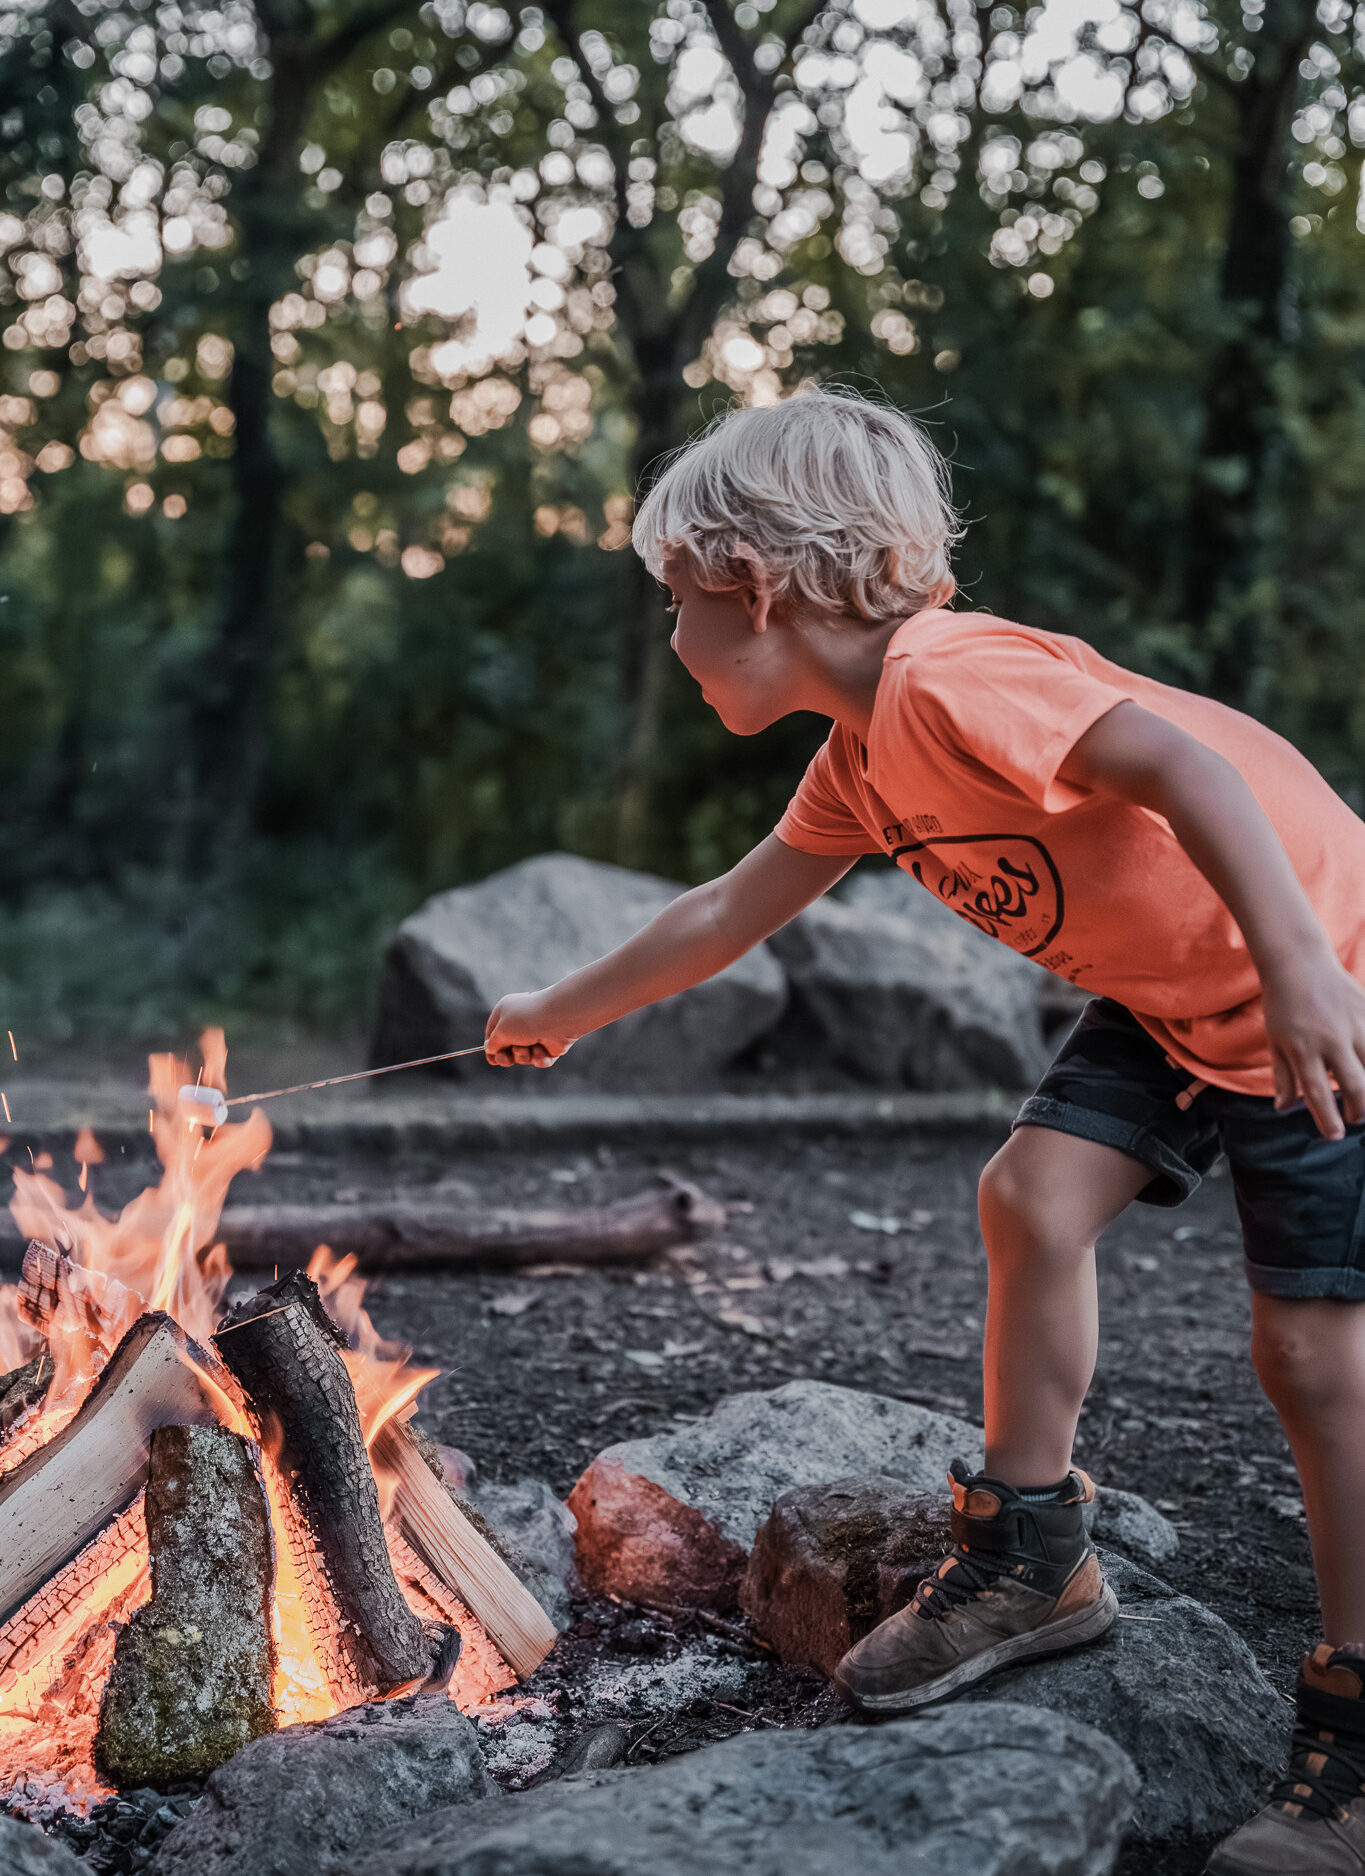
<point>827,498</point>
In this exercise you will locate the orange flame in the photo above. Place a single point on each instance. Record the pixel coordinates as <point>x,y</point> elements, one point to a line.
<point>159,1253</point>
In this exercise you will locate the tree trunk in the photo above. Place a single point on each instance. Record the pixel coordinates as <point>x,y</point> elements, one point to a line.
<point>228,731</point>
<point>1226,549</point>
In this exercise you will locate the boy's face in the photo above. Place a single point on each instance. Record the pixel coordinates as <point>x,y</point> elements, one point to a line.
<point>729,644</point>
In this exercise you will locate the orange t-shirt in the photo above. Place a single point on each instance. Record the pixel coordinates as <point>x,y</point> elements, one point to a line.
<point>958,785</point>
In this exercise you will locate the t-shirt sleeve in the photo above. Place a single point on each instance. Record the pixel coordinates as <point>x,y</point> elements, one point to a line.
<point>819,818</point>
<point>1012,706</point>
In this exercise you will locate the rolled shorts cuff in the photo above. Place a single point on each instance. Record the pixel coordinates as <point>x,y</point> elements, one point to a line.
<point>1336,1284</point>
<point>1175,1179</point>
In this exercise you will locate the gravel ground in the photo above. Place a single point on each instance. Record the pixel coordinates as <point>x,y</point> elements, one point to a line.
<point>857,1263</point>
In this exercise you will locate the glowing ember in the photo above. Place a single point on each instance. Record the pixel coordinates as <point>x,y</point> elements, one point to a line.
<point>159,1253</point>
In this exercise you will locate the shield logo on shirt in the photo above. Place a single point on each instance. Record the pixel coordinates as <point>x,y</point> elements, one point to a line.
<point>1004,884</point>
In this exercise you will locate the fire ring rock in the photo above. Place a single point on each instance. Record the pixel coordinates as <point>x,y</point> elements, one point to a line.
<point>305,1797</point>
<point>191,1677</point>
<point>25,1851</point>
<point>984,1791</point>
<point>670,1520</point>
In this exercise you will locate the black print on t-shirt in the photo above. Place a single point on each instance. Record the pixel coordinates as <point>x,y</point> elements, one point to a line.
<point>1004,884</point>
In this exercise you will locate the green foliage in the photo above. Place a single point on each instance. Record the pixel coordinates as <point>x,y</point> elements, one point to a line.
<point>450,661</point>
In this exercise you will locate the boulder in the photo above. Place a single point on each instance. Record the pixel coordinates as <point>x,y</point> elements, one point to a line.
<point>891,987</point>
<point>295,1800</point>
<point>527,927</point>
<point>1171,1683</point>
<point>832,1561</point>
<point>984,1791</point>
<point>669,1520</point>
<point>25,1851</point>
<point>1181,1692</point>
<point>1127,1522</point>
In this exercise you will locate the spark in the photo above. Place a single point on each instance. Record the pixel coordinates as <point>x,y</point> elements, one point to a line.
<point>8,1116</point>
<point>12,1049</point>
<point>151,1120</point>
<point>85,1175</point>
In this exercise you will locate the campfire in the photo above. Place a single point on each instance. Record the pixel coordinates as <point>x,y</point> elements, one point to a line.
<point>215,1519</point>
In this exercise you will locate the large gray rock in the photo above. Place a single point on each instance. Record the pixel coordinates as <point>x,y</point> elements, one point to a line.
<point>994,1791</point>
<point>1180,1692</point>
<point>1172,1683</point>
<point>670,1520</point>
<point>25,1851</point>
<point>895,989</point>
<point>529,926</point>
<point>304,1797</point>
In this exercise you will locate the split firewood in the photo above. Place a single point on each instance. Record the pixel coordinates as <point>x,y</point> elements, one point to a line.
<point>50,1277</point>
<point>462,1556</point>
<point>45,1625</point>
<point>191,1678</point>
<point>284,1351</point>
<point>438,1236</point>
<point>55,1501</point>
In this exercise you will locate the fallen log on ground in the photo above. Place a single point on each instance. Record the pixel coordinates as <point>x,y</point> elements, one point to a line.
<point>424,1234</point>
<point>54,1502</point>
<point>284,1351</point>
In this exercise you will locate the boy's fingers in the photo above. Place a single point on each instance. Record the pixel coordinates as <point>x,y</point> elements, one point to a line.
<point>1351,1081</point>
<point>1322,1105</point>
<point>1286,1086</point>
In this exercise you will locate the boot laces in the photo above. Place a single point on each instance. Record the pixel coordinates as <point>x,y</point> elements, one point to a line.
<point>959,1579</point>
<point>1341,1778</point>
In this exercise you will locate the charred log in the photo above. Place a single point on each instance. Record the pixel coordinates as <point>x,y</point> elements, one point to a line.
<point>413,1236</point>
<point>191,1679</point>
<point>23,1389</point>
<point>284,1351</point>
<point>54,1502</point>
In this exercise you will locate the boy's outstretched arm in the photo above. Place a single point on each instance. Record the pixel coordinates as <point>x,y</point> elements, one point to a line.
<point>697,935</point>
<point>1314,1008</point>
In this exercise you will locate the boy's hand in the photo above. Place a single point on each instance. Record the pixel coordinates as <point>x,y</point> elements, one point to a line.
<point>1315,1019</point>
<point>520,1034</point>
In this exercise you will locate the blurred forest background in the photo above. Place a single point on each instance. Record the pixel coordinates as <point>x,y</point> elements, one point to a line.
<point>338,334</point>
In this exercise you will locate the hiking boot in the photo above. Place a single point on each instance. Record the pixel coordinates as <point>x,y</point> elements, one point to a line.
<point>1314,1822</point>
<point>1021,1580</point>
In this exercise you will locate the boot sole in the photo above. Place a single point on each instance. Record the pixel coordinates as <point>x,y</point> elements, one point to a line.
<point>1053,1638</point>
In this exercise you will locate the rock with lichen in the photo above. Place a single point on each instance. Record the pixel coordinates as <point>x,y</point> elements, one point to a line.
<point>191,1678</point>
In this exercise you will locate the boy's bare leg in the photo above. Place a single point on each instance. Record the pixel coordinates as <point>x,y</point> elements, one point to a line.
<point>1021,1580</point>
<point>1045,1197</point>
<point>1310,1358</point>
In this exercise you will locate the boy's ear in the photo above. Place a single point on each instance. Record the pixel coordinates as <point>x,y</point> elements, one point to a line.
<point>758,604</point>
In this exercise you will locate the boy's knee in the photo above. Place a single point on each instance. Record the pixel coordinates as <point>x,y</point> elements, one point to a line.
<point>1293,1360</point>
<point>1015,1208</point>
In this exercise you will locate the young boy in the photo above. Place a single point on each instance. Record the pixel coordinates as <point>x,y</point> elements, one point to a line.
<point>1167,853</point>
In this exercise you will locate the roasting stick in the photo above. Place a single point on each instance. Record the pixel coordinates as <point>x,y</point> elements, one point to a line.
<point>209,1106</point>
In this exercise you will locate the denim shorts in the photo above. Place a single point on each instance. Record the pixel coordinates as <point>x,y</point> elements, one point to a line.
<point>1301,1198</point>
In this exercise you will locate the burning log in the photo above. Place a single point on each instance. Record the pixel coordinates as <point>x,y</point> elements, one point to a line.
<point>58,1498</point>
<point>22,1389</point>
<point>50,1278</point>
<point>44,1627</point>
<point>416,1236</point>
<point>191,1677</point>
<point>461,1556</point>
<point>283,1349</point>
